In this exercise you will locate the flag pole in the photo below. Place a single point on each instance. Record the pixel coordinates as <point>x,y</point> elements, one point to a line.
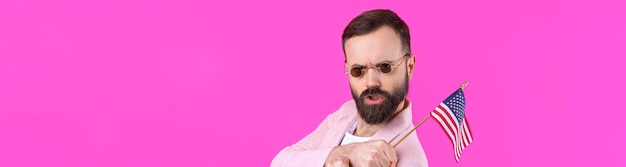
<point>464,85</point>
<point>407,135</point>
<point>423,120</point>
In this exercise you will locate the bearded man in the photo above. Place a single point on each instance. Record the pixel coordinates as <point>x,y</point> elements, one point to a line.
<point>379,65</point>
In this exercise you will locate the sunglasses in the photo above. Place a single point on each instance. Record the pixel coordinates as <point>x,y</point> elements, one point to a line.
<point>384,67</point>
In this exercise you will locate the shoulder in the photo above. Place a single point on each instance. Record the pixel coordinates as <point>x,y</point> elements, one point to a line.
<point>347,111</point>
<point>347,108</point>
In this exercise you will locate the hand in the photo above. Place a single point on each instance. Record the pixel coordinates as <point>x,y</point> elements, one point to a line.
<point>338,161</point>
<point>376,153</point>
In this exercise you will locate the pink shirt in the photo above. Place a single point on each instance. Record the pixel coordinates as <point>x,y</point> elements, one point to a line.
<point>313,149</point>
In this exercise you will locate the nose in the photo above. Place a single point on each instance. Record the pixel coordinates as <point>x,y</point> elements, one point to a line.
<point>372,78</point>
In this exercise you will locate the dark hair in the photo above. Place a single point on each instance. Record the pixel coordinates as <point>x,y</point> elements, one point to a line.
<point>372,20</point>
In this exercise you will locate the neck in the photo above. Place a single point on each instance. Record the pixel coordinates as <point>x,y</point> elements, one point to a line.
<point>364,129</point>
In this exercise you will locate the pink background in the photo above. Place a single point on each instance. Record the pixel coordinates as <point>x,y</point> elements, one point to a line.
<point>199,83</point>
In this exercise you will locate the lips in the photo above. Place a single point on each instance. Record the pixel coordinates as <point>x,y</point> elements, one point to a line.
<point>374,99</point>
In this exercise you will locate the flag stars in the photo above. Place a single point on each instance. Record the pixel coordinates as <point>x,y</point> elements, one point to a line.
<point>456,103</point>
<point>455,109</point>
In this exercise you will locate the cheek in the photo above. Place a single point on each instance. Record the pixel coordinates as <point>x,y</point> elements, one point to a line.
<point>356,87</point>
<point>390,83</point>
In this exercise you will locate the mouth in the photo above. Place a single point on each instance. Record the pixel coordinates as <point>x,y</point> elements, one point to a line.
<point>374,99</point>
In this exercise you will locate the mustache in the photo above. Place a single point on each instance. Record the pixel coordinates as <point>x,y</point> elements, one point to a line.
<point>374,91</point>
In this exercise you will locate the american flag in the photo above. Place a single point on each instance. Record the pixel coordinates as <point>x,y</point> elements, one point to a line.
<point>450,114</point>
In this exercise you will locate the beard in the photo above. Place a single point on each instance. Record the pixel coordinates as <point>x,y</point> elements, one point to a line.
<point>383,112</point>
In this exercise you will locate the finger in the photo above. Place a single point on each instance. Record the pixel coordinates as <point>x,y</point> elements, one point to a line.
<point>344,161</point>
<point>383,162</point>
<point>340,161</point>
<point>393,164</point>
<point>379,156</point>
<point>389,151</point>
<point>377,159</point>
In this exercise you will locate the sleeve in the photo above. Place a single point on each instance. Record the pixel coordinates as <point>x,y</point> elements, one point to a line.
<point>306,152</point>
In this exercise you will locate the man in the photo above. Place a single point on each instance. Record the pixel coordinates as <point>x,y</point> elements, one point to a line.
<point>379,63</point>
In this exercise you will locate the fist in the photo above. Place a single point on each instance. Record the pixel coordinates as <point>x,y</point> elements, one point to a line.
<point>376,153</point>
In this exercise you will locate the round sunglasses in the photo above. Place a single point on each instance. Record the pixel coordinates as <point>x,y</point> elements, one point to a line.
<point>385,68</point>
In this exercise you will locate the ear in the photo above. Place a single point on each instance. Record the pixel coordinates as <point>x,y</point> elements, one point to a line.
<point>411,65</point>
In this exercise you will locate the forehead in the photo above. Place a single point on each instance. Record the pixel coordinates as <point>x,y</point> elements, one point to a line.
<point>380,45</point>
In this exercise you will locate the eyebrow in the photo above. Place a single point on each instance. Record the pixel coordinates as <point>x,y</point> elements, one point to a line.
<point>376,65</point>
